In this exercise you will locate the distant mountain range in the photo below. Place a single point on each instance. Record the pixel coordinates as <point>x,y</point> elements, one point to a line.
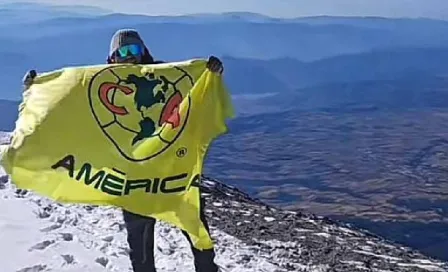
<point>419,91</point>
<point>287,74</point>
<point>228,36</point>
<point>261,54</point>
<point>26,13</point>
<point>251,76</point>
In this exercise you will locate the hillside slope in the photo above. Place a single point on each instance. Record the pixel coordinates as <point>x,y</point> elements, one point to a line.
<point>250,236</point>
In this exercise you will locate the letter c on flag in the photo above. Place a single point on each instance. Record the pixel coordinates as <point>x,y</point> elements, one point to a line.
<point>105,88</point>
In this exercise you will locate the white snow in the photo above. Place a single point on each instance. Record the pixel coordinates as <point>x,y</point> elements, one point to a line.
<point>2,171</point>
<point>428,266</point>
<point>426,262</point>
<point>323,234</point>
<point>421,266</point>
<point>302,230</point>
<point>73,238</point>
<point>390,258</point>
<point>347,230</point>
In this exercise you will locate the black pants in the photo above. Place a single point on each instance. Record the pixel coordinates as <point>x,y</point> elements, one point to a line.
<point>140,238</point>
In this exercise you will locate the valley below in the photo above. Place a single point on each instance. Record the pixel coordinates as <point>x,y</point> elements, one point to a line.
<point>382,170</point>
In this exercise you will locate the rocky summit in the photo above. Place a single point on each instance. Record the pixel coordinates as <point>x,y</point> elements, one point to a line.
<point>296,241</point>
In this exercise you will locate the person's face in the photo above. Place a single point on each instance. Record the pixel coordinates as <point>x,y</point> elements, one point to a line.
<point>132,53</point>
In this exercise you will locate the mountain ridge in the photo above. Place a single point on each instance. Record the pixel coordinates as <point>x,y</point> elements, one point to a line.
<point>347,35</point>
<point>281,75</point>
<point>245,15</point>
<point>22,6</point>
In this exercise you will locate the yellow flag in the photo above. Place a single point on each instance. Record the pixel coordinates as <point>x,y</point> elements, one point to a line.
<point>132,136</point>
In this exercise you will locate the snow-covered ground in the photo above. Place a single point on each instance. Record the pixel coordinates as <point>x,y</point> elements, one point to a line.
<point>38,235</point>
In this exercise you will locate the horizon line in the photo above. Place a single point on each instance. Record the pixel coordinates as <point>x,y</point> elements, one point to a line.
<point>108,12</point>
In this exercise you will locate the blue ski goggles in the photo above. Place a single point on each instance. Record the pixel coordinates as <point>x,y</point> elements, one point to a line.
<point>130,50</point>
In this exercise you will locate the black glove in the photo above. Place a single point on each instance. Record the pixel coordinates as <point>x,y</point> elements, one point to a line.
<point>28,78</point>
<point>215,65</point>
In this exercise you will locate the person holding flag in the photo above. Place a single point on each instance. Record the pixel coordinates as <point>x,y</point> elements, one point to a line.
<point>127,46</point>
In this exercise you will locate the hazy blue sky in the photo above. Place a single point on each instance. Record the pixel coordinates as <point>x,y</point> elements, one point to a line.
<point>277,8</point>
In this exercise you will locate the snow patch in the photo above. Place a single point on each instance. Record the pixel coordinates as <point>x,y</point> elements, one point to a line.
<point>84,238</point>
<point>421,266</point>
<point>322,234</point>
<point>390,258</point>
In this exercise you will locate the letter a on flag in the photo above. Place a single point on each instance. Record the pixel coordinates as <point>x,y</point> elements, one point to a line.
<point>131,136</point>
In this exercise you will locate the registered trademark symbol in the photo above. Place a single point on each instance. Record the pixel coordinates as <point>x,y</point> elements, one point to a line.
<point>181,152</point>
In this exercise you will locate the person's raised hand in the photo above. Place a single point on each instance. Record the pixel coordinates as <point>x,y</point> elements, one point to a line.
<point>215,65</point>
<point>28,78</point>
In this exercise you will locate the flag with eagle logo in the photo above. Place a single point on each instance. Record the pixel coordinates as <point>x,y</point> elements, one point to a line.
<point>131,136</point>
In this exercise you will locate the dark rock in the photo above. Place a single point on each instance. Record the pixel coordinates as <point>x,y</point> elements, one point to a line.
<point>303,238</point>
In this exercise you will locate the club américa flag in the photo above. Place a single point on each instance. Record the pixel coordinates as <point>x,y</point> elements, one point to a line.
<point>130,136</point>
